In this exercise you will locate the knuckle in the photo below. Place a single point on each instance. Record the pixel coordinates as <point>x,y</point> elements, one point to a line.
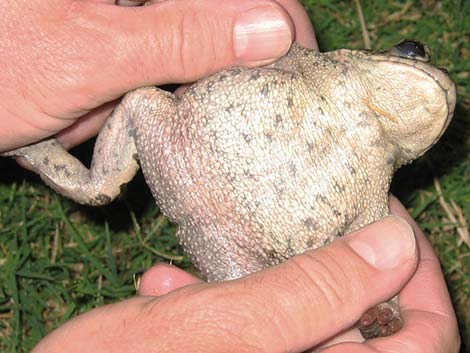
<point>326,279</point>
<point>195,44</point>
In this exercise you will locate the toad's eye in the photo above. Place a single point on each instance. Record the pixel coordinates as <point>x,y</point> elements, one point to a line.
<point>410,49</point>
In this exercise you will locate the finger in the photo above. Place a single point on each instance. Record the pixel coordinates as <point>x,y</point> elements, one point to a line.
<point>86,126</point>
<point>304,32</point>
<point>428,278</point>
<point>165,42</point>
<point>429,320</point>
<point>290,307</point>
<point>344,285</point>
<point>181,41</point>
<point>90,124</point>
<point>351,335</point>
<point>311,297</point>
<point>423,332</point>
<point>162,279</point>
<point>430,324</point>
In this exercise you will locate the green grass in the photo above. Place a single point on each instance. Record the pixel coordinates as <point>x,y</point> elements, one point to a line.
<point>58,259</point>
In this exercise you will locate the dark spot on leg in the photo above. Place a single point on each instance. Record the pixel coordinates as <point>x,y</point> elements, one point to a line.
<point>265,89</point>
<point>338,186</point>
<point>102,199</point>
<point>248,173</point>
<point>290,102</point>
<point>292,169</point>
<point>222,77</point>
<point>326,241</point>
<point>311,225</point>
<point>62,168</point>
<point>210,86</point>
<point>45,161</point>
<point>247,137</point>
<point>229,108</point>
<point>230,177</point>
<point>255,75</point>
<point>235,72</point>
<point>310,147</point>
<point>268,136</point>
<point>351,169</point>
<point>327,205</point>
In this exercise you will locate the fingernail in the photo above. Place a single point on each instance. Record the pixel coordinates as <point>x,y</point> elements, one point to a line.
<point>385,244</point>
<point>262,34</point>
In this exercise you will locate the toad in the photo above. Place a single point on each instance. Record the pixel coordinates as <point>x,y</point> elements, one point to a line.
<point>256,165</point>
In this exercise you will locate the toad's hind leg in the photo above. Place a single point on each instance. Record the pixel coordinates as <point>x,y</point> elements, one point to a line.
<point>114,162</point>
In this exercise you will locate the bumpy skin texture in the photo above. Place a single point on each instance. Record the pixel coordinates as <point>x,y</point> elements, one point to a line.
<point>257,165</point>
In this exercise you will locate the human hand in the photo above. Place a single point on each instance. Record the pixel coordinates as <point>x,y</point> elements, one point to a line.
<point>65,60</point>
<point>290,307</point>
<point>430,324</point>
<point>429,320</point>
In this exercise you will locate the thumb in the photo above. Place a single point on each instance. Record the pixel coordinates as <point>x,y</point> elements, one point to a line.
<point>75,56</point>
<point>316,295</point>
<point>181,41</point>
<point>287,308</point>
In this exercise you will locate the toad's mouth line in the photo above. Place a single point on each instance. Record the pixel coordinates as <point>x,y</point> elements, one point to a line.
<point>439,76</point>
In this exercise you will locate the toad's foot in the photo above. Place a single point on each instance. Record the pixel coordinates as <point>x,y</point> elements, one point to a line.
<point>381,321</point>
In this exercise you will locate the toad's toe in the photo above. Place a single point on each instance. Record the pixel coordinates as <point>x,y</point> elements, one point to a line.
<point>380,321</point>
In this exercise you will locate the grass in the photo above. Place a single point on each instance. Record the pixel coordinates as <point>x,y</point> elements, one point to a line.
<point>58,259</point>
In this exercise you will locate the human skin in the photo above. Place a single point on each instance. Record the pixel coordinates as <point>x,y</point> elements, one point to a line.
<point>60,76</point>
<point>430,323</point>
<point>65,60</point>
<point>307,301</point>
